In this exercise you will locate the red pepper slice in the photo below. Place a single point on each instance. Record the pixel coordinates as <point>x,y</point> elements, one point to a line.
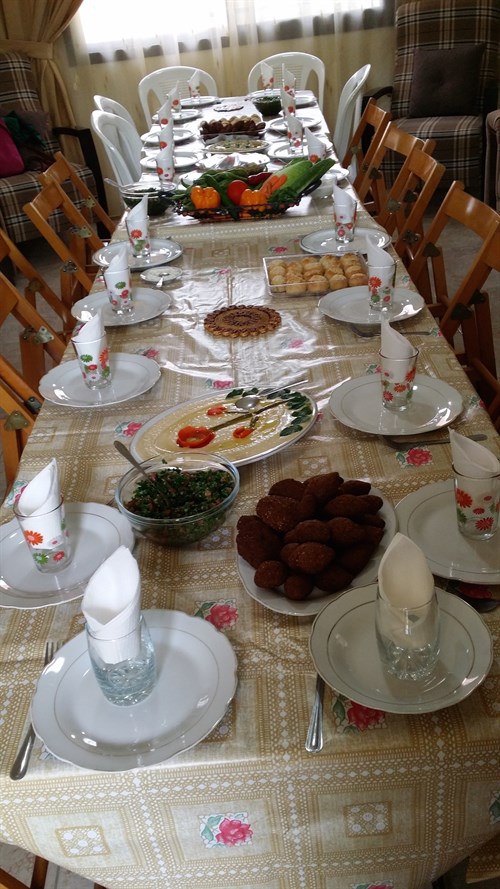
<point>242,432</point>
<point>216,410</point>
<point>194,436</point>
<point>258,178</point>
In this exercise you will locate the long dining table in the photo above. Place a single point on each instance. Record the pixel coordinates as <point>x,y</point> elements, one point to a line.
<point>395,797</point>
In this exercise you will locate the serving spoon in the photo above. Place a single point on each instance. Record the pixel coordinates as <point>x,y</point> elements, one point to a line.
<point>248,402</point>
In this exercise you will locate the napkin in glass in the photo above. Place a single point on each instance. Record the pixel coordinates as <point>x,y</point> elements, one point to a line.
<point>316,148</point>
<point>345,206</point>
<point>266,75</point>
<point>393,344</point>
<point>111,606</point>
<point>471,458</point>
<point>289,81</point>
<point>40,499</point>
<point>117,280</point>
<point>405,583</point>
<point>165,112</point>
<point>137,224</point>
<point>194,85</point>
<point>92,331</point>
<point>295,130</point>
<point>381,272</point>
<point>165,165</point>
<point>287,102</point>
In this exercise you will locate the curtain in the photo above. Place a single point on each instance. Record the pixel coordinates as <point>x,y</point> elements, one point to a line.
<point>33,26</point>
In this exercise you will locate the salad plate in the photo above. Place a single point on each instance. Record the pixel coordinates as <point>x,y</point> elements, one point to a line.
<point>132,375</point>
<point>343,647</point>
<point>182,160</point>
<point>163,250</point>
<point>200,102</point>
<point>275,428</point>
<point>352,306</point>
<point>148,303</point>
<point>196,681</point>
<point>96,531</point>
<point>358,404</point>
<point>276,601</point>
<point>152,139</point>
<point>279,125</point>
<point>424,514</point>
<point>323,241</point>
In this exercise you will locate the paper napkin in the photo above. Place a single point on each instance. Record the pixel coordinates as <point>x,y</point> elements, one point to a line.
<point>471,458</point>
<point>377,256</point>
<point>137,224</point>
<point>267,76</point>
<point>42,493</point>
<point>117,275</point>
<point>111,606</point>
<point>404,577</point>
<point>90,332</point>
<point>381,274</point>
<point>289,81</point>
<point>316,149</point>
<point>194,85</point>
<point>165,113</point>
<point>295,130</point>
<point>344,204</point>
<point>287,102</point>
<point>393,344</point>
<point>165,165</point>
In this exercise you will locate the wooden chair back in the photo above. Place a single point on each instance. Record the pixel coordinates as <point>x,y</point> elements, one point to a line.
<point>38,878</point>
<point>19,405</point>
<point>365,140</point>
<point>63,171</point>
<point>407,201</point>
<point>77,253</point>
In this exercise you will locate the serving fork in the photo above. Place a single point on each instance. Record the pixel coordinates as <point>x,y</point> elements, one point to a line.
<point>21,762</point>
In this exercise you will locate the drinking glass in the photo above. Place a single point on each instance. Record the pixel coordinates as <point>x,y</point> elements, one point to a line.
<point>47,538</point>
<point>93,358</point>
<point>124,666</point>
<point>407,638</point>
<point>397,377</point>
<point>478,504</point>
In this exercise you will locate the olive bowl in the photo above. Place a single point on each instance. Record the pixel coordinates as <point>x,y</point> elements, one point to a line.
<point>201,520</point>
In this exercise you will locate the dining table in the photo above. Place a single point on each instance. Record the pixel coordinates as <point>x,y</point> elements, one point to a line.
<point>404,786</point>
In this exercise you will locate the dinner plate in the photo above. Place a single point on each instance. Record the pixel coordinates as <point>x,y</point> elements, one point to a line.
<point>352,306</point>
<point>196,682</point>
<point>236,145</point>
<point>358,403</point>
<point>163,250</point>
<point>152,139</point>
<point>158,435</point>
<point>425,515</point>
<point>279,125</point>
<point>185,115</point>
<point>323,241</point>
<point>281,151</point>
<point>148,303</point>
<point>235,159</point>
<point>275,601</point>
<point>344,650</point>
<point>200,102</point>
<point>182,160</point>
<point>96,532</point>
<point>132,375</point>
<point>302,100</point>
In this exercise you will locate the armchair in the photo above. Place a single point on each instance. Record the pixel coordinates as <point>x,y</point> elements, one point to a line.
<point>20,102</point>
<point>446,80</point>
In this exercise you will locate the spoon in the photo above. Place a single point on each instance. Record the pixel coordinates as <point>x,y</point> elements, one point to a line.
<point>120,447</point>
<point>248,402</point>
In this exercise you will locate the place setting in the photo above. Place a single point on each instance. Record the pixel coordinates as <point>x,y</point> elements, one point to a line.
<point>137,686</point>
<point>97,377</point>
<point>52,546</point>
<point>400,645</point>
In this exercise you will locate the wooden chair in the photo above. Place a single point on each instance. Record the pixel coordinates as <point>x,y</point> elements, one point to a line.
<point>19,404</point>
<point>365,140</point>
<point>373,187</point>
<point>464,316</point>
<point>77,253</point>
<point>38,878</point>
<point>62,171</point>
<point>407,201</point>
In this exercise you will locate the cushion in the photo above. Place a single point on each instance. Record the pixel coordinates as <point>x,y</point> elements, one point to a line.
<point>28,140</point>
<point>445,81</point>
<point>11,162</point>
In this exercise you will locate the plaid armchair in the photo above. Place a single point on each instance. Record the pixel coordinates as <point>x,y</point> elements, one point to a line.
<point>446,80</point>
<point>18,93</point>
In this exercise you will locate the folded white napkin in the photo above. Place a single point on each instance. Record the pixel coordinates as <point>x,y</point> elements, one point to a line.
<point>117,274</point>
<point>405,581</point>
<point>316,149</point>
<point>42,493</point>
<point>287,102</point>
<point>393,344</point>
<point>377,256</point>
<point>267,75</point>
<point>165,166</point>
<point>111,606</point>
<point>92,331</point>
<point>194,85</point>
<point>344,204</point>
<point>137,217</point>
<point>295,129</point>
<point>471,458</point>
<point>289,81</point>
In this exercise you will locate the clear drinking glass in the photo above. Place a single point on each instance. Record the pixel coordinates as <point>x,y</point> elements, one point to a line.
<point>93,358</point>
<point>397,378</point>
<point>478,505</point>
<point>125,666</point>
<point>47,538</point>
<point>408,638</point>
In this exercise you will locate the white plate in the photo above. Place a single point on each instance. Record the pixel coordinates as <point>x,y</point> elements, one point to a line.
<point>132,375</point>
<point>167,275</point>
<point>182,160</point>
<point>148,304</point>
<point>352,306</point>
<point>237,146</point>
<point>280,126</point>
<point>215,162</point>
<point>152,139</point>
<point>200,102</point>
<point>302,100</point>
<point>281,151</point>
<point>344,650</point>
<point>184,116</point>
<point>317,600</point>
<point>163,250</point>
<point>159,434</point>
<point>323,241</point>
<point>358,403</point>
<point>196,682</point>
<point>424,514</point>
<point>96,531</point>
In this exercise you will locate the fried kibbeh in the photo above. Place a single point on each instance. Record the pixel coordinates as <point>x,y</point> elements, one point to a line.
<point>310,558</point>
<point>278,512</point>
<point>298,586</point>
<point>270,574</point>
<point>324,487</point>
<point>288,487</point>
<point>308,531</point>
<point>344,532</point>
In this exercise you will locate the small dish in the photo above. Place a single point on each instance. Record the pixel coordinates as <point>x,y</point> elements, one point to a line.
<point>167,274</point>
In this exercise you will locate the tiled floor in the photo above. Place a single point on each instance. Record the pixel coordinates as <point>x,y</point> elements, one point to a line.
<point>16,860</point>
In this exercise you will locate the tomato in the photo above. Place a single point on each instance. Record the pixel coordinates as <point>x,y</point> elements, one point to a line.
<point>216,410</point>
<point>194,436</point>
<point>235,189</point>
<point>242,432</point>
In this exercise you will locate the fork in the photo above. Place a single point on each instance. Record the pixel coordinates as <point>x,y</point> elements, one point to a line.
<point>418,443</point>
<point>314,739</point>
<point>21,762</point>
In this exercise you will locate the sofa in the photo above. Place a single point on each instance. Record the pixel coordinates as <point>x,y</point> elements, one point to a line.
<point>28,142</point>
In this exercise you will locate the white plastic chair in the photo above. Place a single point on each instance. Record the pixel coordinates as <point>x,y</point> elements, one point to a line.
<point>103,103</point>
<point>122,144</point>
<point>163,80</point>
<point>300,64</point>
<point>349,110</point>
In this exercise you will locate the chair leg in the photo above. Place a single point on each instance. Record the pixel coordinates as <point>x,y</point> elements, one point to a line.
<point>39,873</point>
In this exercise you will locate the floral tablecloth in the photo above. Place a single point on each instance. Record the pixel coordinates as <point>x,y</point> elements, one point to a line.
<point>392,800</point>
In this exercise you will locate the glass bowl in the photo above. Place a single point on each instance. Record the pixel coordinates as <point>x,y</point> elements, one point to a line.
<point>180,530</point>
<point>268,106</point>
<point>159,196</point>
